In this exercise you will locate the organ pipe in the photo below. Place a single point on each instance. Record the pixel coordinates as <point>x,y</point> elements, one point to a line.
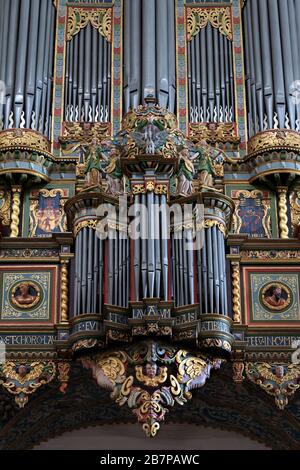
<point>271,35</point>
<point>210,77</point>
<point>149,51</point>
<point>89,271</point>
<point>88,77</point>
<point>26,64</point>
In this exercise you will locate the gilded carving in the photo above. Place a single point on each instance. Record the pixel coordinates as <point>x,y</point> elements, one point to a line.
<point>64,291</point>
<point>209,223</point>
<point>283,215</point>
<point>63,375</point>
<point>5,202</point>
<point>278,380</point>
<point>22,379</point>
<point>295,210</point>
<point>214,133</point>
<point>15,215</point>
<point>199,17</point>
<point>236,292</point>
<point>85,224</point>
<point>100,19</point>
<point>271,140</point>
<point>23,139</point>
<point>127,373</point>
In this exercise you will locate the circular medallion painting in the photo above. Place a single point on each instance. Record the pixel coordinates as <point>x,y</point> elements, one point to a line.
<point>276,296</point>
<point>25,295</point>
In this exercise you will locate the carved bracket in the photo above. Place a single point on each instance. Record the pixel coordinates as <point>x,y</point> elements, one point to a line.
<point>150,378</point>
<point>278,380</point>
<point>22,379</point>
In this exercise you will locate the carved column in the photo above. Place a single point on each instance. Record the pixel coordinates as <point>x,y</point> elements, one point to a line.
<point>15,216</point>
<point>64,291</point>
<point>236,291</point>
<point>283,217</point>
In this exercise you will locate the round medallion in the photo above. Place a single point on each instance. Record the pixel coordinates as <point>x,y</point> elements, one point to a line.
<point>276,296</point>
<point>25,295</point>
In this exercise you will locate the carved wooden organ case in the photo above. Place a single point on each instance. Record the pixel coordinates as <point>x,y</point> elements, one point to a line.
<point>139,104</point>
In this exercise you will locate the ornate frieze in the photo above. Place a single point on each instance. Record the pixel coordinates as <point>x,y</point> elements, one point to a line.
<point>28,253</point>
<point>78,135</point>
<point>271,140</point>
<point>214,133</point>
<point>24,139</point>
<point>270,255</point>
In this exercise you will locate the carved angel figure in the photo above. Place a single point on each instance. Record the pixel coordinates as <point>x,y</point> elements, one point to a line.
<point>93,168</point>
<point>185,174</point>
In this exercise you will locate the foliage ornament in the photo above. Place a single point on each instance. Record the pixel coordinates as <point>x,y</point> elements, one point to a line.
<point>22,379</point>
<point>278,380</point>
<point>151,378</point>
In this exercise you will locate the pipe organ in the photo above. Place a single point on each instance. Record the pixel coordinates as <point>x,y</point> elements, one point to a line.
<point>150,198</point>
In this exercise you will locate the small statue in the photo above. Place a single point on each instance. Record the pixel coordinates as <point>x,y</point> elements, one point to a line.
<point>185,174</point>
<point>92,168</point>
<point>113,173</point>
<point>205,167</point>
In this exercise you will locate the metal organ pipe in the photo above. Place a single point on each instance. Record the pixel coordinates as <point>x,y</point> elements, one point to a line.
<point>88,77</point>
<point>149,52</point>
<point>26,63</point>
<point>271,35</point>
<point>205,268</point>
<point>210,77</point>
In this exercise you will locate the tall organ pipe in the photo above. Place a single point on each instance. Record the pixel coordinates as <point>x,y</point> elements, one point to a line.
<point>88,77</point>
<point>26,63</point>
<point>271,35</point>
<point>149,52</point>
<point>210,77</point>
